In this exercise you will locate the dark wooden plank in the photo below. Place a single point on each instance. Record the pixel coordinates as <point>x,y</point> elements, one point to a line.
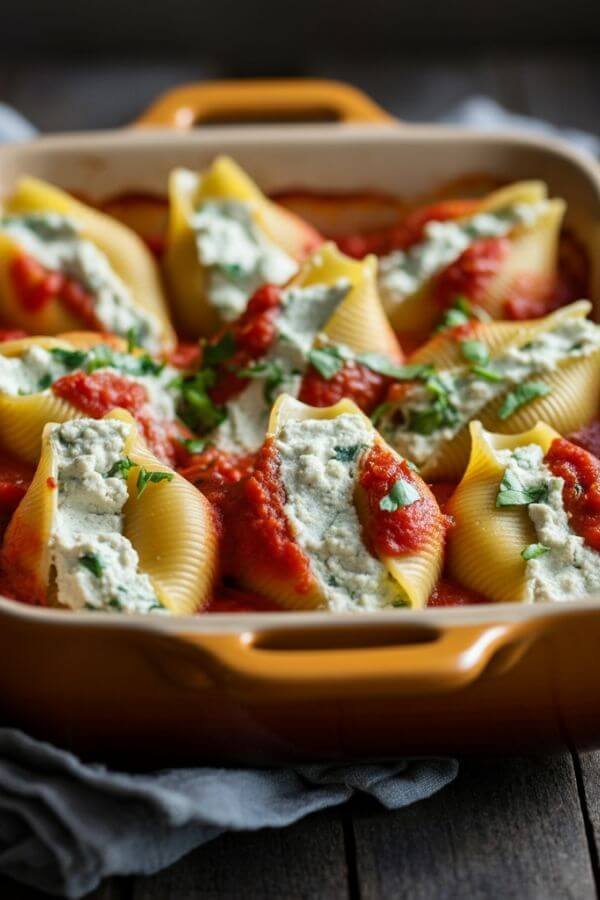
<point>306,860</point>
<point>506,828</point>
<point>588,770</point>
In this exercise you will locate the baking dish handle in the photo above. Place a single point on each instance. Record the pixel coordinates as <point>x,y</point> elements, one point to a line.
<point>278,663</point>
<point>262,100</point>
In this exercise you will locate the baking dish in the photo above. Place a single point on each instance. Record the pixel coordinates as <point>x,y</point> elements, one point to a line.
<point>264,687</point>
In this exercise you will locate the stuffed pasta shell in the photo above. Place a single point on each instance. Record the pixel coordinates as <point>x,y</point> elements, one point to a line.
<point>105,526</point>
<point>332,518</point>
<point>56,379</point>
<point>508,375</point>
<point>225,239</point>
<point>66,266</point>
<point>507,242</point>
<point>315,339</point>
<point>527,518</point>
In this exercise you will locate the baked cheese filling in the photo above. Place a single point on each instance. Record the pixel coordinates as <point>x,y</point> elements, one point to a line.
<point>320,464</point>
<point>303,314</point>
<point>239,256</point>
<point>434,408</point>
<point>95,565</point>
<point>404,272</point>
<point>54,241</point>
<point>561,566</point>
<point>38,368</point>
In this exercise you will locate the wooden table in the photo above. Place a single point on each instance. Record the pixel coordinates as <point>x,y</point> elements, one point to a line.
<point>508,827</point>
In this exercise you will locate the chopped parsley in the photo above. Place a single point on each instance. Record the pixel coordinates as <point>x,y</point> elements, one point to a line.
<point>326,360</point>
<point>92,563</point>
<point>475,352</point>
<point>459,314</point>
<point>133,339</point>
<point>44,382</point>
<point>115,603</point>
<point>104,357</point>
<point>383,365</point>
<point>195,407</point>
<point>534,550</point>
<point>121,468</point>
<point>400,603</point>
<point>487,374</point>
<point>512,493</point>
<point>71,359</point>
<point>440,414</point>
<point>195,445</point>
<point>380,411</point>
<point>402,494</point>
<point>346,454</point>
<point>145,477</point>
<point>213,354</point>
<point>522,394</point>
<point>273,373</point>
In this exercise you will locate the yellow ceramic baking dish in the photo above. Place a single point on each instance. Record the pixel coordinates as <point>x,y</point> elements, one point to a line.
<point>289,686</point>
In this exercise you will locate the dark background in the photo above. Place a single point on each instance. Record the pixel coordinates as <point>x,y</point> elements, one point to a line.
<point>70,64</point>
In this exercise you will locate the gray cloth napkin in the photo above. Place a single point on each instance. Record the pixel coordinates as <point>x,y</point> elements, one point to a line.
<point>65,825</point>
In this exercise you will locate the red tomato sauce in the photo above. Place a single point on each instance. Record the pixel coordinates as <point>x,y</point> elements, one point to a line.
<point>102,391</point>
<point>36,286</point>
<point>253,333</point>
<point>231,600</point>
<point>185,356</point>
<point>472,272</point>
<point>354,380</point>
<point>581,492</point>
<point>448,593</point>
<point>406,529</point>
<point>12,334</point>
<point>214,472</point>
<point>258,533</point>
<point>406,233</point>
<point>588,437</point>
<point>15,478</point>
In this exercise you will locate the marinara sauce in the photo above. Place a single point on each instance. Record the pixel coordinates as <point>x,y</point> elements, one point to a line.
<point>406,529</point>
<point>365,387</point>
<point>581,492</point>
<point>36,286</point>
<point>97,393</point>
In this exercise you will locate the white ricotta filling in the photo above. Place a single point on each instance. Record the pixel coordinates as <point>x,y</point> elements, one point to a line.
<point>468,392</point>
<point>320,483</point>
<point>404,272</point>
<point>239,255</point>
<point>303,314</point>
<point>53,240</point>
<point>570,569</point>
<point>95,565</point>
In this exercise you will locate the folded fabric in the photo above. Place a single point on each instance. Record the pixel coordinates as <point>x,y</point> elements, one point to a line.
<point>65,825</point>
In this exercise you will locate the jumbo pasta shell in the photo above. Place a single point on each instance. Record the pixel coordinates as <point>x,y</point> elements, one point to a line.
<point>417,572</point>
<point>484,547</point>
<point>126,252</point>
<point>359,322</point>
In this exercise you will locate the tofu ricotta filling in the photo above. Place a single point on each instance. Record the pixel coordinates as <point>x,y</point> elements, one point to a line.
<point>566,567</point>
<point>95,565</point>
<point>434,409</point>
<point>36,370</point>
<point>54,241</point>
<point>303,314</point>
<point>319,474</point>
<point>239,256</point>
<point>404,272</point>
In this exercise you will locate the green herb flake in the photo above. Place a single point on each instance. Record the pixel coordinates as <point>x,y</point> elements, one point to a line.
<point>195,407</point>
<point>194,445</point>
<point>487,374</point>
<point>380,411</point>
<point>534,550</point>
<point>44,382</point>
<point>133,339</point>
<point>121,468</point>
<point>115,603</point>
<point>145,477</point>
<point>273,373</point>
<point>522,394</point>
<point>326,360</point>
<point>92,563</point>
<point>213,354</point>
<point>71,359</point>
<point>383,365</point>
<point>475,352</point>
<point>512,493</point>
<point>346,454</point>
<point>401,603</point>
<point>402,494</point>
